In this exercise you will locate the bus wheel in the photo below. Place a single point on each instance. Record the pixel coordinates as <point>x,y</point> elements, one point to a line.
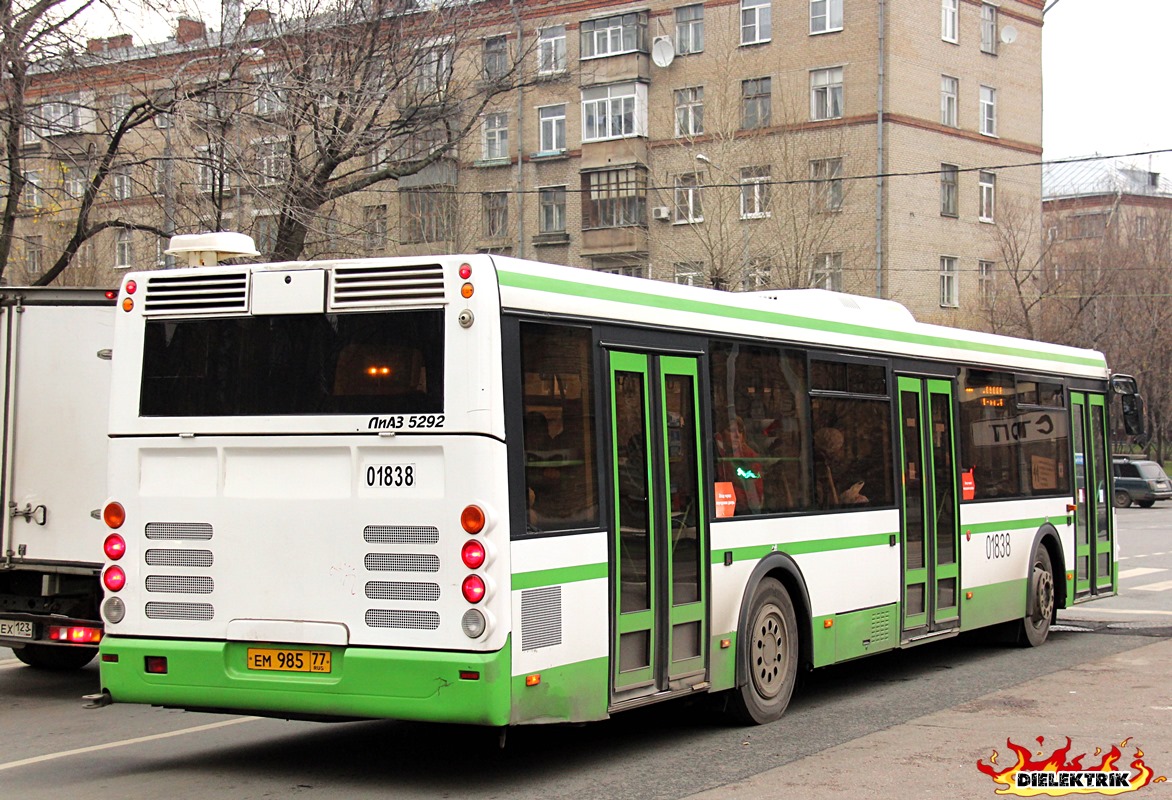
<point>56,659</point>
<point>1035,626</point>
<point>1122,499</point>
<point>769,653</point>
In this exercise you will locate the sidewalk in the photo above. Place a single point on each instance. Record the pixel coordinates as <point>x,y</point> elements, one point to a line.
<point>1097,704</point>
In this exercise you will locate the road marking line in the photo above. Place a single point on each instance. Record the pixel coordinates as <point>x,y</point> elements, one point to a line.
<point>1140,611</point>
<point>125,742</point>
<point>1135,572</point>
<point>1123,558</point>
<point>1163,586</point>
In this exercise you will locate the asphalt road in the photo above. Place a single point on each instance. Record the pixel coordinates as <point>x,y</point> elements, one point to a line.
<point>51,748</point>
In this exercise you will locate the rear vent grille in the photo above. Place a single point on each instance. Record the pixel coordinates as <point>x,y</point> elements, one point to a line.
<point>196,531</point>
<point>401,534</point>
<point>191,611</point>
<point>413,620</point>
<point>395,590</point>
<point>180,584</point>
<point>207,293</point>
<point>402,562</point>
<point>541,617</point>
<point>179,558</point>
<point>384,285</point>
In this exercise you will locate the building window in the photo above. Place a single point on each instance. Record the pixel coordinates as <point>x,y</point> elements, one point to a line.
<point>614,198</point>
<point>989,28</point>
<point>551,50</point>
<point>1086,226</point>
<point>614,112</point>
<point>687,198</point>
<point>433,71</point>
<point>756,25</point>
<point>689,30</point>
<point>986,283</point>
<point>949,21</point>
<point>270,161</point>
<point>34,256</point>
<point>496,136</point>
<point>495,208</point>
<point>688,273</point>
<point>33,198</point>
<point>826,93</point>
<point>988,111</point>
<point>756,103</point>
<point>619,266</point>
<point>552,202</point>
<point>73,181</point>
<point>496,58</point>
<point>552,134</point>
<point>374,228</point>
<point>827,272</point>
<point>988,182</point>
<point>949,101</point>
<point>270,94</point>
<point>755,192</point>
<point>119,108</point>
<point>124,249</point>
<point>690,111</point>
<point>949,291</point>
<point>758,274</point>
<point>210,172</point>
<point>63,116</point>
<point>949,190</point>
<point>122,189</point>
<point>614,35</point>
<point>427,214</point>
<point>825,15</point>
<point>826,174</point>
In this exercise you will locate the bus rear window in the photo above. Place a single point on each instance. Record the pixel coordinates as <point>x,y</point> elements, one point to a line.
<point>379,363</point>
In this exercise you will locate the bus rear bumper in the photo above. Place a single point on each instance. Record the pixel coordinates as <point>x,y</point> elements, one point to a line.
<point>470,688</point>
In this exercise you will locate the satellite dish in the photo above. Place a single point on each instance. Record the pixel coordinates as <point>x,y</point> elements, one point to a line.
<point>663,52</point>
<point>1009,34</point>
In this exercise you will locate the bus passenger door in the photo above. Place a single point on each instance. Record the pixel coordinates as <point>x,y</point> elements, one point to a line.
<point>930,529</point>
<point>660,540</point>
<point>1093,536</point>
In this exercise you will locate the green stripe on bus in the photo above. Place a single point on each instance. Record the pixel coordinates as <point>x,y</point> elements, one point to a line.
<point>553,577</point>
<point>758,552</point>
<point>557,286</point>
<point>1013,524</point>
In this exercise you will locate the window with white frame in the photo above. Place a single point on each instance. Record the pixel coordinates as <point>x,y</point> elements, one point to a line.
<point>428,214</point>
<point>756,103</point>
<point>496,136</point>
<point>551,50</point>
<point>264,232</point>
<point>433,71</point>
<point>827,272</point>
<point>988,198</point>
<point>688,207</point>
<point>756,21</point>
<point>124,249</point>
<point>552,209</point>
<point>755,186</point>
<point>826,93</point>
<point>34,255</point>
<point>825,16</point>
<point>626,33</point>
<point>690,29</point>
<point>121,184</point>
<point>62,116</point>
<point>988,111</point>
<point>119,107</point>
<point>688,273</point>
<point>758,274</point>
<point>826,183</point>
<point>614,198</point>
<point>689,111</point>
<point>949,289</point>
<point>496,58</point>
<point>211,174</point>
<point>949,190</point>
<point>989,28</point>
<point>950,20</point>
<point>552,130</point>
<point>495,211</point>
<point>949,101</point>
<point>33,196</point>
<point>270,93</point>
<point>374,228</point>
<point>614,112</point>
<point>73,181</point>
<point>986,283</point>
<point>271,165</point>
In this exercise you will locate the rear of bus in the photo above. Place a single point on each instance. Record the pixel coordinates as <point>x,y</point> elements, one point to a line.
<point>307,511</point>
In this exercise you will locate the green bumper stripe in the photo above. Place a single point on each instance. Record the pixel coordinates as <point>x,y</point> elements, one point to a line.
<point>1012,525</point>
<point>575,289</point>
<point>363,682</point>
<point>759,552</point>
<point>569,693</point>
<point>553,577</point>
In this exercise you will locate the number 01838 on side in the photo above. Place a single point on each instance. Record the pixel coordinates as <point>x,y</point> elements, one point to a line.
<point>272,659</point>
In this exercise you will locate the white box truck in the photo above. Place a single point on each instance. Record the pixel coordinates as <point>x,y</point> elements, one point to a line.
<point>54,386</point>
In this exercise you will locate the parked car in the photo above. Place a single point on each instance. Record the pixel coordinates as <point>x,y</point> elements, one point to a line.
<point>1139,481</point>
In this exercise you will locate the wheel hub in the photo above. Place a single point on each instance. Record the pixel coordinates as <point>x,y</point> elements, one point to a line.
<point>768,652</point>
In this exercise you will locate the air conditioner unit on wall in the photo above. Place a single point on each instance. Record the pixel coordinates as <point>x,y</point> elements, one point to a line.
<point>661,212</point>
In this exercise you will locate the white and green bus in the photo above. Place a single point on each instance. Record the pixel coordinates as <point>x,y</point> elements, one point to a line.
<point>485,490</point>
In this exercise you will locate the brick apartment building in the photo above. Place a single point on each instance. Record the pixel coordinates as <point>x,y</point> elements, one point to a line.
<point>861,145</point>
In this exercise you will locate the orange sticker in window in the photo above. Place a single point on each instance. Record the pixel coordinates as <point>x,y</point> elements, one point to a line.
<point>726,499</point>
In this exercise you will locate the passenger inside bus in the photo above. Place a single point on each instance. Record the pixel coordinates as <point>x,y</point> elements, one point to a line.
<point>739,464</point>
<point>837,481</point>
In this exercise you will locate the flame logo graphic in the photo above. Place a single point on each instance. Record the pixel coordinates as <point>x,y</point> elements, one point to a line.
<point>1028,778</point>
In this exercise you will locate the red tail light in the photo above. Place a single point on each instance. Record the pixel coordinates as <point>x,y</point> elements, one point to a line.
<point>473,588</point>
<point>473,554</point>
<point>114,515</point>
<point>114,547</point>
<point>75,635</point>
<point>156,665</point>
<point>114,579</point>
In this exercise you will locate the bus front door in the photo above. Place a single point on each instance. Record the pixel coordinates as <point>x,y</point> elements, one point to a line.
<point>930,531</point>
<point>659,537</point>
<point>1093,536</point>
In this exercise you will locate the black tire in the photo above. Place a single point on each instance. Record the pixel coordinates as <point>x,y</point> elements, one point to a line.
<point>1145,503</point>
<point>55,659</point>
<point>1122,499</point>
<point>769,655</point>
<point>1035,625</point>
